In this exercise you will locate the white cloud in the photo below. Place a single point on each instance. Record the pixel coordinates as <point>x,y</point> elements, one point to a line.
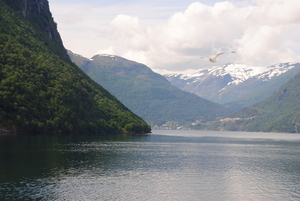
<point>109,50</point>
<point>267,33</point>
<point>136,56</point>
<point>199,30</point>
<point>129,32</point>
<point>263,32</point>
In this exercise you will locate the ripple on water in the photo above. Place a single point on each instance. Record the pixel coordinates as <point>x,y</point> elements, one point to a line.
<point>161,167</point>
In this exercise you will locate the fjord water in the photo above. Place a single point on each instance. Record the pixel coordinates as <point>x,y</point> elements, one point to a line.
<point>164,165</point>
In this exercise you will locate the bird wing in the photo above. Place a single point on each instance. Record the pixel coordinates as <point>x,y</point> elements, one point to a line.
<point>219,54</point>
<point>213,59</point>
<point>223,53</point>
<point>196,59</point>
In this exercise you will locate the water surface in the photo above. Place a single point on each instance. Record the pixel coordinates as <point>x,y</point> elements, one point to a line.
<point>164,165</point>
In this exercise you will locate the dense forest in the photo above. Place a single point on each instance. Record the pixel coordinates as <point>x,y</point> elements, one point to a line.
<point>41,89</point>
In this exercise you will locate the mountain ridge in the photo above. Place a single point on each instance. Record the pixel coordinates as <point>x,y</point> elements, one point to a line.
<point>226,83</point>
<point>145,92</point>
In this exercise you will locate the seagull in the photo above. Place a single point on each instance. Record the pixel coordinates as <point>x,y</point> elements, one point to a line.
<point>212,59</point>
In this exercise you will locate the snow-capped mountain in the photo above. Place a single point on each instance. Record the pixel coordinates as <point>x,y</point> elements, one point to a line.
<point>228,82</point>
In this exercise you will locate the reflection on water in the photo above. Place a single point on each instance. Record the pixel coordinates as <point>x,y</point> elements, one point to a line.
<point>166,165</point>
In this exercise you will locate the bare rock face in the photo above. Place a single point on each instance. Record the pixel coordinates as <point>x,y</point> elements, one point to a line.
<point>28,8</point>
<point>40,8</point>
<point>33,7</point>
<point>37,11</point>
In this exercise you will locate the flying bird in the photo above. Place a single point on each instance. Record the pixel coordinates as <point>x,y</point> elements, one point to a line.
<point>212,59</point>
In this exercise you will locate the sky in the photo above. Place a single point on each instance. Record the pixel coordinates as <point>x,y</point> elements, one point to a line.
<point>166,34</point>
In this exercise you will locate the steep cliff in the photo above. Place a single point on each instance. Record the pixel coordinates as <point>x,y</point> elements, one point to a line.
<point>41,89</point>
<point>38,13</point>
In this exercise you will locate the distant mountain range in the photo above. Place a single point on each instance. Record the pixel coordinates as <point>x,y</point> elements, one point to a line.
<point>235,85</point>
<point>146,93</point>
<point>150,95</point>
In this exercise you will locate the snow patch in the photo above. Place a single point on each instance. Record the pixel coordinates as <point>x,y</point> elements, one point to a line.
<point>238,72</point>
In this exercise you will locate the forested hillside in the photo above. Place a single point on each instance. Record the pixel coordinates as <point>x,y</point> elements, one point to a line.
<point>278,113</point>
<point>264,91</point>
<point>41,89</point>
<point>146,93</point>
